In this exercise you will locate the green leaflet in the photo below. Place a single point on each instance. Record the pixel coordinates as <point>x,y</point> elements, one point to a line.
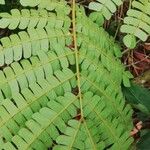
<point>32,18</point>
<point>60,81</point>
<point>97,17</point>
<point>137,23</point>
<point>25,44</point>
<point>129,40</point>
<point>57,5</point>
<point>105,8</point>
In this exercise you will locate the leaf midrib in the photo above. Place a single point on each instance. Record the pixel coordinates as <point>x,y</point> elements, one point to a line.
<point>76,55</point>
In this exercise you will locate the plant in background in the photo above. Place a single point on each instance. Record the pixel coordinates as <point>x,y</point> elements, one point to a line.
<point>104,9</point>
<point>136,23</point>
<point>139,98</point>
<point>60,79</point>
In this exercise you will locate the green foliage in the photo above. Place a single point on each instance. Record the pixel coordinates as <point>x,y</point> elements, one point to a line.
<point>32,18</point>
<point>59,6</point>
<point>104,8</point>
<point>137,23</point>
<point>60,82</point>
<point>143,144</point>
<point>139,97</point>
